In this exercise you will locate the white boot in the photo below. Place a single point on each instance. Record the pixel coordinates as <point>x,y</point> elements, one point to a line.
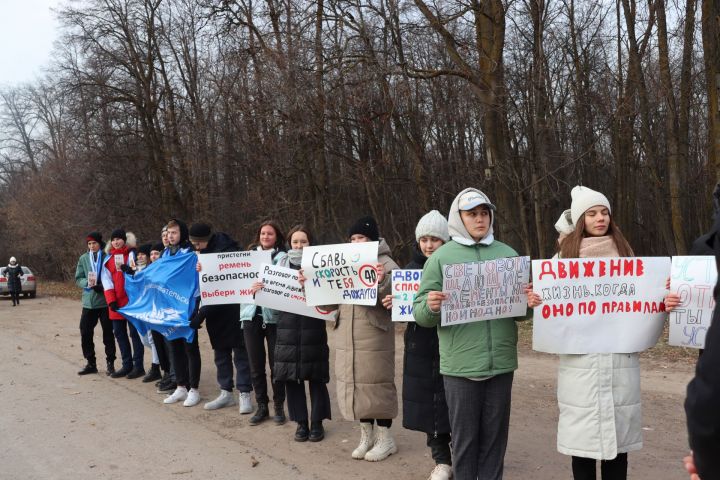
<point>441,471</point>
<point>179,394</point>
<point>225,399</point>
<point>366,441</point>
<point>246,405</point>
<point>384,445</point>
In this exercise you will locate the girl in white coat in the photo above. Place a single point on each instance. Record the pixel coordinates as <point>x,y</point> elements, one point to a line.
<point>598,393</point>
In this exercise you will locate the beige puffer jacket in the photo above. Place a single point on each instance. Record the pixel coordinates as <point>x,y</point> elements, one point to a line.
<point>364,341</point>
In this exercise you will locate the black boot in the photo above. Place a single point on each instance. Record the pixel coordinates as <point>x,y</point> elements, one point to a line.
<point>153,374</point>
<point>165,378</point>
<point>279,417</point>
<point>302,432</point>
<point>317,432</point>
<point>89,368</point>
<point>110,367</point>
<point>121,373</point>
<point>166,385</point>
<point>261,414</point>
<point>136,373</point>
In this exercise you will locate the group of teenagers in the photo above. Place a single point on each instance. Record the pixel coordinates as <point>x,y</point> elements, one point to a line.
<point>457,380</point>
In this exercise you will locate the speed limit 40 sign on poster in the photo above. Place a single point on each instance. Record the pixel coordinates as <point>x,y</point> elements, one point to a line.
<point>343,273</point>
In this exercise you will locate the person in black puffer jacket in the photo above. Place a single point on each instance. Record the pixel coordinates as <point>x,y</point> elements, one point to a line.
<point>703,392</point>
<point>423,394</point>
<point>302,354</point>
<point>224,330</point>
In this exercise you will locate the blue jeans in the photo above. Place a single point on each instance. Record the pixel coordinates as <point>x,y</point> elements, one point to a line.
<point>224,360</point>
<point>130,358</point>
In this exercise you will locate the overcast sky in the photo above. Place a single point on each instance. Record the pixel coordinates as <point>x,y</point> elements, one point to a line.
<point>27,32</point>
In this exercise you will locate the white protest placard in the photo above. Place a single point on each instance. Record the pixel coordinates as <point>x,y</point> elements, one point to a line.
<point>599,305</point>
<point>342,273</point>
<point>405,285</point>
<point>485,290</point>
<point>227,277</point>
<point>693,278</point>
<point>282,291</point>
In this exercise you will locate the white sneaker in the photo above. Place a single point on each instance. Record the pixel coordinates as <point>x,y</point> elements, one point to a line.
<point>179,394</point>
<point>225,399</point>
<point>441,471</point>
<point>246,405</point>
<point>384,445</point>
<point>193,398</point>
<point>366,441</point>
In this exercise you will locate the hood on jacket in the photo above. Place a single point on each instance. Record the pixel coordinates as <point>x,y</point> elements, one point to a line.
<point>418,258</point>
<point>220,242</point>
<point>383,247</point>
<point>457,229</point>
<point>184,234</point>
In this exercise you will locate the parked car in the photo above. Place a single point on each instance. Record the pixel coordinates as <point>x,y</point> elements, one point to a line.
<point>27,281</point>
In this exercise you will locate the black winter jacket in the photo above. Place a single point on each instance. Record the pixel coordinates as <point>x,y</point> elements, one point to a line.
<point>423,394</point>
<point>301,349</point>
<point>223,321</point>
<point>703,392</point>
<point>13,275</point>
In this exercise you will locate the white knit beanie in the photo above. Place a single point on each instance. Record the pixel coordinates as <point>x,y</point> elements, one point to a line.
<point>584,198</point>
<point>432,224</point>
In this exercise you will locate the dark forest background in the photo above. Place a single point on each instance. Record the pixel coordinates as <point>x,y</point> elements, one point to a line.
<point>235,111</point>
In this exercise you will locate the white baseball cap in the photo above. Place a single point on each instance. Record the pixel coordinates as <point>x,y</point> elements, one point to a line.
<point>472,199</point>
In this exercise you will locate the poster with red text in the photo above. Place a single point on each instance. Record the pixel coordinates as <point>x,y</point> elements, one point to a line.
<point>599,305</point>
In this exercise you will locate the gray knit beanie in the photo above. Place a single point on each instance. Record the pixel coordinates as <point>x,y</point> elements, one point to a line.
<point>433,224</point>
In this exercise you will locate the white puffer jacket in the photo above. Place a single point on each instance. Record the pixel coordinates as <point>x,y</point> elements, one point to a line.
<point>599,400</point>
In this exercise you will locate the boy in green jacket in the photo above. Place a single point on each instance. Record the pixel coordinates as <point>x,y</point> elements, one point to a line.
<point>477,359</point>
<point>87,277</point>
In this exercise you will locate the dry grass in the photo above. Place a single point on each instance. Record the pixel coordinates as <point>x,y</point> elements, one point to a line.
<point>59,289</point>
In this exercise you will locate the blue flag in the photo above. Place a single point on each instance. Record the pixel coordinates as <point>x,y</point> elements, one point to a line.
<point>162,297</point>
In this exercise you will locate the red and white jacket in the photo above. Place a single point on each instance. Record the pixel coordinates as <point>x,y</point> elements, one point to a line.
<point>113,280</point>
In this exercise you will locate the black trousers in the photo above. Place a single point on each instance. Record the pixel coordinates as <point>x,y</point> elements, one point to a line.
<point>187,362</point>
<point>88,321</point>
<point>615,469</point>
<point>382,422</point>
<point>297,402</point>
<point>15,295</point>
<point>161,347</point>
<point>256,332</point>
<point>440,448</point>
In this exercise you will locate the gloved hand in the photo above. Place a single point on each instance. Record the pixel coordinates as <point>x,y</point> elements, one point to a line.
<point>196,322</point>
<point>98,288</point>
<point>113,306</point>
<point>197,319</point>
<point>127,269</point>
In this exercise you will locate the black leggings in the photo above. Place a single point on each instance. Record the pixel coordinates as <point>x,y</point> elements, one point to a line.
<point>187,362</point>
<point>162,350</point>
<point>256,332</point>
<point>381,422</point>
<point>615,469</point>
